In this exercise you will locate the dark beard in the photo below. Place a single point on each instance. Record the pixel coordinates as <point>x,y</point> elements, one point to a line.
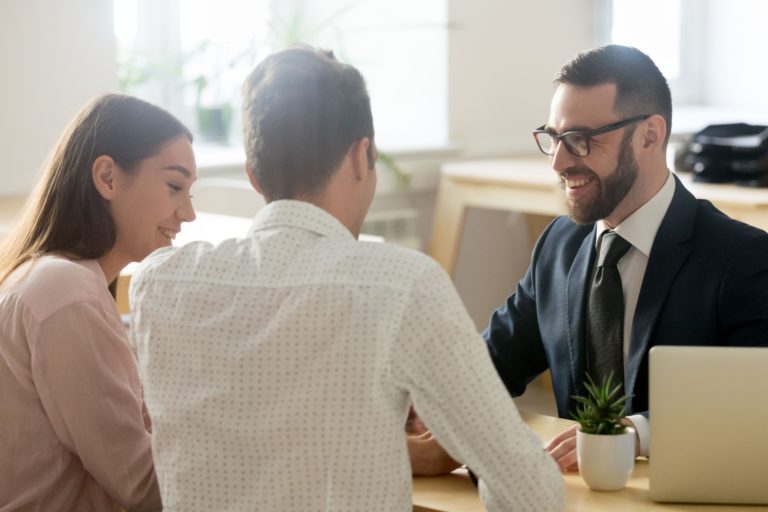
<point>613,189</point>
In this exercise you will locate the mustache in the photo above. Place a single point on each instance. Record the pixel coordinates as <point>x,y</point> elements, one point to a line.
<point>576,170</point>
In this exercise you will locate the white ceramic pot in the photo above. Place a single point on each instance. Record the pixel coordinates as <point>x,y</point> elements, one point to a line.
<point>606,462</point>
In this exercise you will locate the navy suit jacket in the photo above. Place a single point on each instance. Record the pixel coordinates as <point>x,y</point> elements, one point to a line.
<point>706,284</point>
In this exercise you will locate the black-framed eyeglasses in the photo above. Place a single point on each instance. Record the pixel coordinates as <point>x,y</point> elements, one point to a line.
<point>577,142</point>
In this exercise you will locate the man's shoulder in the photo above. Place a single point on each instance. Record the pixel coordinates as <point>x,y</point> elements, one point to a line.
<point>172,261</point>
<point>712,237</point>
<point>715,226</point>
<point>243,260</point>
<point>392,252</point>
<point>387,262</point>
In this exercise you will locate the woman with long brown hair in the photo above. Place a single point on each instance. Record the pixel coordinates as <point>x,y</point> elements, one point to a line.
<point>74,433</point>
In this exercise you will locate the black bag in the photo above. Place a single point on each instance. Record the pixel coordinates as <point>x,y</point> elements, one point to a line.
<point>724,153</point>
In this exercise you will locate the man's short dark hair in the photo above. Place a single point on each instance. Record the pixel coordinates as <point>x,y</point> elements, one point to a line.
<point>640,86</point>
<point>302,109</point>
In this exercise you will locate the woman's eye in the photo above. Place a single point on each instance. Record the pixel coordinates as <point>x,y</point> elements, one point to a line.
<point>175,188</point>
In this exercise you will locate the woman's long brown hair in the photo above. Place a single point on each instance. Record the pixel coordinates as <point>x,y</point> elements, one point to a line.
<point>65,213</point>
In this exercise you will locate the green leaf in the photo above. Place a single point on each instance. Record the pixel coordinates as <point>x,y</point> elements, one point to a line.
<point>600,411</point>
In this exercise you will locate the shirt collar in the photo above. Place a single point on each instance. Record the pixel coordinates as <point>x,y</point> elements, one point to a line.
<point>300,214</point>
<point>640,228</point>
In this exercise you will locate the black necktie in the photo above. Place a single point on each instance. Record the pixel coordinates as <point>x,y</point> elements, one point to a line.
<point>605,312</point>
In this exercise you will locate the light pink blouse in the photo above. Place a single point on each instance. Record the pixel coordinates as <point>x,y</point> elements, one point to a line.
<point>74,431</point>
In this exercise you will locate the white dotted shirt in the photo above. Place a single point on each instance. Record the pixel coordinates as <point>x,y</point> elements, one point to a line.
<point>279,368</point>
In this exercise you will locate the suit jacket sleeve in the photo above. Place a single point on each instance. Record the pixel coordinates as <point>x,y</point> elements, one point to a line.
<point>513,335</point>
<point>744,295</point>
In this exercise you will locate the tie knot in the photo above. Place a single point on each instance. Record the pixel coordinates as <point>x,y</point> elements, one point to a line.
<point>612,248</point>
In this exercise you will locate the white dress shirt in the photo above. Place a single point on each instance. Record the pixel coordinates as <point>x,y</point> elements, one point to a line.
<point>279,369</point>
<point>639,229</point>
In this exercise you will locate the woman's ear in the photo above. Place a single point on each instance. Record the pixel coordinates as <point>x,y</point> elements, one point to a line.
<point>104,174</point>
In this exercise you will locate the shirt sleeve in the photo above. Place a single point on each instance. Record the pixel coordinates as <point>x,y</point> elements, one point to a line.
<point>444,364</point>
<point>87,380</point>
<point>643,429</point>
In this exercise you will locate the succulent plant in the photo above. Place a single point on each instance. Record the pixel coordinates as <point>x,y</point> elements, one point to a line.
<point>602,410</point>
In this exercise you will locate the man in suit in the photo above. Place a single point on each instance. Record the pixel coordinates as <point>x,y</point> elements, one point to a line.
<point>680,272</point>
<point>689,275</point>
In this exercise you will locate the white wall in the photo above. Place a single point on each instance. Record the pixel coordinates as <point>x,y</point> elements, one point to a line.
<point>502,57</point>
<point>738,45</point>
<point>54,56</point>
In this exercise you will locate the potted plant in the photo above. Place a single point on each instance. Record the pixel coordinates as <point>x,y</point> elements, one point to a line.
<point>605,446</point>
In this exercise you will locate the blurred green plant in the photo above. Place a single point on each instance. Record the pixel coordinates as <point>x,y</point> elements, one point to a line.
<point>134,70</point>
<point>296,27</point>
<point>289,26</point>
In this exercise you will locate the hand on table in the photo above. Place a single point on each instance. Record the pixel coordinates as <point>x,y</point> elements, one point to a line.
<point>428,458</point>
<point>414,425</point>
<point>562,448</point>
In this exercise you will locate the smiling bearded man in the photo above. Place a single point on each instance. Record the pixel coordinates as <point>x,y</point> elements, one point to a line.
<point>639,262</point>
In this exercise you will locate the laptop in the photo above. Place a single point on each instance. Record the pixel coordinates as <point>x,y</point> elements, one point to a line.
<point>709,424</point>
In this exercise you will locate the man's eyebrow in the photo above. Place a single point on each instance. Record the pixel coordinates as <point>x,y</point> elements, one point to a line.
<point>179,168</point>
<point>576,128</point>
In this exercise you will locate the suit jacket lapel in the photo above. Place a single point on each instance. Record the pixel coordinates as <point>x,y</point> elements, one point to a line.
<point>576,293</point>
<point>670,250</point>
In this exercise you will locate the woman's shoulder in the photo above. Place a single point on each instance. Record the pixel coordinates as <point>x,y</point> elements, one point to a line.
<point>50,282</point>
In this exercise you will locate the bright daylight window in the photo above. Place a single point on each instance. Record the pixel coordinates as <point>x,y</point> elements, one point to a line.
<point>192,55</point>
<point>631,22</point>
<point>658,28</point>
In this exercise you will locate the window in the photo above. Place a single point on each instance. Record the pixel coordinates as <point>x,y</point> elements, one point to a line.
<point>670,32</point>
<point>192,55</point>
<point>631,22</point>
<point>710,52</point>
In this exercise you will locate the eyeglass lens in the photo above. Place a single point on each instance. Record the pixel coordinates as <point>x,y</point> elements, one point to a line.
<point>575,143</point>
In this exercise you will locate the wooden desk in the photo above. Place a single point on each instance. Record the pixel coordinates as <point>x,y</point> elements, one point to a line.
<point>455,492</point>
<point>530,186</point>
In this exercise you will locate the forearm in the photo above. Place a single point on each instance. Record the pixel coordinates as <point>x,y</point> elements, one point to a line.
<point>483,429</point>
<point>457,392</point>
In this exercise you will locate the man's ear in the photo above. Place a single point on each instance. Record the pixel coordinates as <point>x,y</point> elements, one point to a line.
<point>655,132</point>
<point>252,179</point>
<point>104,174</point>
<point>359,153</point>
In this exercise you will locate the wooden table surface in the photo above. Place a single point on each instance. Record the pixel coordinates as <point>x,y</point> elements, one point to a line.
<point>456,493</point>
